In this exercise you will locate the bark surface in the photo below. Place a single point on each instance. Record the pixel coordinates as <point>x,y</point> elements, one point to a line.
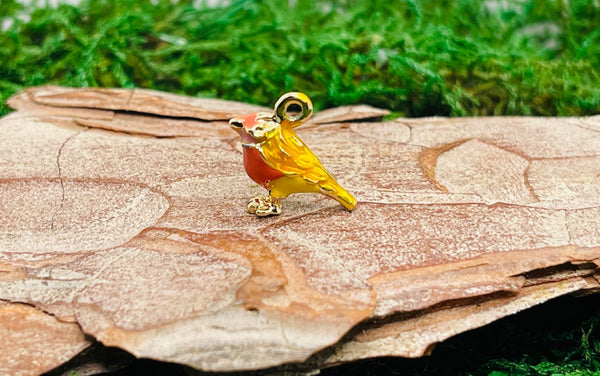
<point>123,217</point>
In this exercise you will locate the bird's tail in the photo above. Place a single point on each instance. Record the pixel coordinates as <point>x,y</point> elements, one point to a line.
<point>332,189</point>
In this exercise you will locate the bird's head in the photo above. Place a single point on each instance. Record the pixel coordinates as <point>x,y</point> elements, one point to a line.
<point>291,109</point>
<point>253,125</point>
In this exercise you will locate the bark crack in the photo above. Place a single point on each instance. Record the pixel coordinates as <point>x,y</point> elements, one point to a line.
<point>528,184</point>
<point>568,227</point>
<point>60,177</point>
<point>587,126</point>
<point>411,135</point>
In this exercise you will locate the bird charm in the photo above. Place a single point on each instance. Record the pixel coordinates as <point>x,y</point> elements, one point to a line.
<point>277,159</point>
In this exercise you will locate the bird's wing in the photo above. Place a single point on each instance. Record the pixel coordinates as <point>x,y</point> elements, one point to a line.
<point>284,151</point>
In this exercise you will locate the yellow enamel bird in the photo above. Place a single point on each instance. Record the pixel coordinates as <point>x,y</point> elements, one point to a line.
<point>277,159</point>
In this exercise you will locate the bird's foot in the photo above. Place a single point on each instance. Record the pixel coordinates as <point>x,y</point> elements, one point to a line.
<point>264,207</point>
<point>256,203</point>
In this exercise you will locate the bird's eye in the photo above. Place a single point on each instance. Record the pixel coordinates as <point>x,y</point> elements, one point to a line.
<point>235,123</point>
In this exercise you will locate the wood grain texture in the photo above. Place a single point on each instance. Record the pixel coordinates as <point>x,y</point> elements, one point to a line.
<point>123,211</point>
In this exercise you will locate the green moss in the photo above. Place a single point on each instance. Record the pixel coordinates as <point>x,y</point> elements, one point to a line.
<point>429,57</point>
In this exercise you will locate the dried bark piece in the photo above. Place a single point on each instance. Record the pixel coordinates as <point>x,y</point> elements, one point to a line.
<point>137,231</point>
<point>415,336</point>
<point>139,100</point>
<point>420,288</point>
<point>34,342</point>
<point>176,115</point>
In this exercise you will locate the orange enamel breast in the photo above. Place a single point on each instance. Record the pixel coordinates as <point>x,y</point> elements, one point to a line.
<point>257,169</point>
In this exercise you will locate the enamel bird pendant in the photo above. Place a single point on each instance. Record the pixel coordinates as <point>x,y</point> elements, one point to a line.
<point>277,159</point>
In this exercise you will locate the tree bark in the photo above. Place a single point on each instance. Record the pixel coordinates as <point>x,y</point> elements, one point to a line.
<point>124,212</point>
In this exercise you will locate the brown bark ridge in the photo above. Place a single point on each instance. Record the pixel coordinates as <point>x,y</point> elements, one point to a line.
<point>122,217</point>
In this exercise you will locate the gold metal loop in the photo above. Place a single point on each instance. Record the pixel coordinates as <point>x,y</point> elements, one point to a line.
<point>294,107</point>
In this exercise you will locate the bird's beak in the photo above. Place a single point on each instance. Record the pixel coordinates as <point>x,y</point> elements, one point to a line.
<point>236,124</point>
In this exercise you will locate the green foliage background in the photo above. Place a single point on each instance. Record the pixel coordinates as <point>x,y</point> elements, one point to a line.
<point>428,57</point>
<point>417,58</point>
